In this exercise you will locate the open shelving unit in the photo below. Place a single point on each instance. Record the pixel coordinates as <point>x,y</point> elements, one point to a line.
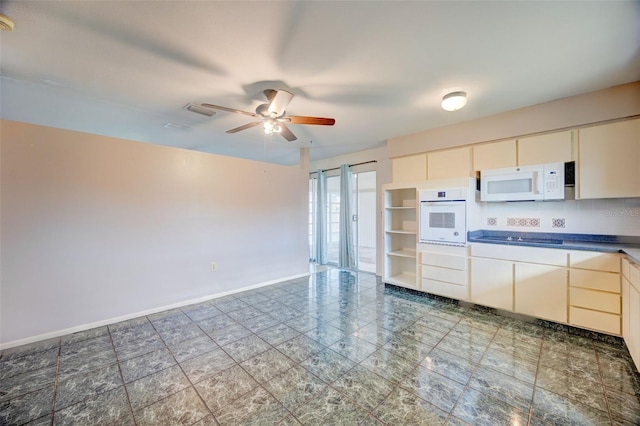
<point>400,236</point>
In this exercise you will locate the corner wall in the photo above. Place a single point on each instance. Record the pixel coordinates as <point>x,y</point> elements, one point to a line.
<point>95,228</point>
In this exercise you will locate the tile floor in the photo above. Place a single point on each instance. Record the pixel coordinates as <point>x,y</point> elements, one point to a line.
<point>335,348</point>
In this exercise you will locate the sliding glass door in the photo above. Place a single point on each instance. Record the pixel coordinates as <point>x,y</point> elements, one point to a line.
<point>363,217</point>
<point>333,219</point>
<point>365,194</point>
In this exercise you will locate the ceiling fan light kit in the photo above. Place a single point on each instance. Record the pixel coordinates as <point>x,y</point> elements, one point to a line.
<point>271,127</point>
<point>273,116</point>
<point>454,101</point>
<point>6,23</point>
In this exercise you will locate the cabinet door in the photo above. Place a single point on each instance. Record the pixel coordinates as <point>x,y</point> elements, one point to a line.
<point>608,160</point>
<point>634,325</point>
<point>625,309</point>
<point>492,283</point>
<point>541,291</point>
<point>495,155</point>
<point>450,163</point>
<point>549,148</point>
<point>412,168</point>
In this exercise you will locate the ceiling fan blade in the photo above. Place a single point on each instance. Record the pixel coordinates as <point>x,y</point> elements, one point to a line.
<point>237,111</point>
<point>286,133</point>
<point>309,120</point>
<point>245,127</point>
<point>279,102</point>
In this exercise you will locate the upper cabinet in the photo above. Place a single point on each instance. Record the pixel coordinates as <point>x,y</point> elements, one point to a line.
<point>608,159</point>
<point>449,163</point>
<point>495,155</point>
<point>550,148</point>
<point>412,168</point>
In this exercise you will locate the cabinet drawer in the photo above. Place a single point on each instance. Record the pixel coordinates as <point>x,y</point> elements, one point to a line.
<point>598,300</point>
<point>596,280</point>
<point>545,256</point>
<point>444,274</point>
<point>594,260</point>
<point>609,323</point>
<point>454,291</point>
<point>445,261</point>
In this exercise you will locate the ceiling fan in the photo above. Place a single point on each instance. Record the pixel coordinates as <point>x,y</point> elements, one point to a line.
<point>273,116</point>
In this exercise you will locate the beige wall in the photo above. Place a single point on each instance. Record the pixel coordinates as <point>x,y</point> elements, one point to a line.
<point>609,104</point>
<point>96,228</point>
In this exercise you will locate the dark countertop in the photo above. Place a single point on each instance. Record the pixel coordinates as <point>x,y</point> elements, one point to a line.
<point>602,243</point>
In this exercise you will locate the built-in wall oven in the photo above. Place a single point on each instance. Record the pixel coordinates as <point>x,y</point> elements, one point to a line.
<point>443,218</point>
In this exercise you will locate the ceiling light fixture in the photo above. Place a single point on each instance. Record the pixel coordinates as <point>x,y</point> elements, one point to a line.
<point>271,127</point>
<point>454,101</point>
<point>6,23</point>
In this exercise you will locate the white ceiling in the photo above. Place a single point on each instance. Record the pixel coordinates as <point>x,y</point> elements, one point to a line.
<point>126,68</point>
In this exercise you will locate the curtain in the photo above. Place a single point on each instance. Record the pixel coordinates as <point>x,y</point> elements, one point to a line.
<point>347,258</point>
<point>321,219</point>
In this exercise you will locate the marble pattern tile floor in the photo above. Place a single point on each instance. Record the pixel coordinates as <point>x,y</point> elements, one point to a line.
<point>334,348</point>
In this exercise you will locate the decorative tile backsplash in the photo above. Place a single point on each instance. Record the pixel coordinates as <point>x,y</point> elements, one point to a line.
<point>558,222</point>
<point>530,222</point>
<point>606,217</point>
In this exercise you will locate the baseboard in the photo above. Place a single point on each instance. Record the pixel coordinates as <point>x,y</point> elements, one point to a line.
<point>114,320</point>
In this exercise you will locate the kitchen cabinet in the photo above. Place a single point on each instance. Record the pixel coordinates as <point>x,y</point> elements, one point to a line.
<point>412,168</point>
<point>549,148</point>
<point>495,155</point>
<point>443,270</point>
<point>527,280</point>
<point>400,235</point>
<point>541,291</point>
<point>595,291</point>
<point>449,163</point>
<point>631,308</point>
<point>608,158</point>
<point>491,283</point>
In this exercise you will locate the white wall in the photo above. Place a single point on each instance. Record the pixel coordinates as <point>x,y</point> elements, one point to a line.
<point>97,228</point>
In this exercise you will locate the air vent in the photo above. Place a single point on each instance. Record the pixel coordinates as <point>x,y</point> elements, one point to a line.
<point>200,110</point>
<point>175,126</point>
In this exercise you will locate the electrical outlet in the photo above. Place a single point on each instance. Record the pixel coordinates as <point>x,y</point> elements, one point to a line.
<point>214,266</point>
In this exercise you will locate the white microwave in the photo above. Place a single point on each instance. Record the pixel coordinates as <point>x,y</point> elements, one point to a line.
<point>539,182</point>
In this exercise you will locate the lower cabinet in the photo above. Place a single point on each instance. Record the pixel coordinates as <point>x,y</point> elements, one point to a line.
<point>492,283</point>
<point>541,291</point>
<point>595,300</point>
<point>631,308</point>
<point>526,280</point>
<point>443,271</point>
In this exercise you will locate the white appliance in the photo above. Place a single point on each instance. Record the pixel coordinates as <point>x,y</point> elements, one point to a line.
<point>525,183</point>
<point>443,216</point>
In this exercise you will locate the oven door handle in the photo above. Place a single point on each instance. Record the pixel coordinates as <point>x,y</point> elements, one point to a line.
<point>442,203</point>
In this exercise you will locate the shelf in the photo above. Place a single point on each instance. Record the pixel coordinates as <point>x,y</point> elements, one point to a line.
<point>411,253</point>
<point>404,279</point>
<point>400,231</point>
